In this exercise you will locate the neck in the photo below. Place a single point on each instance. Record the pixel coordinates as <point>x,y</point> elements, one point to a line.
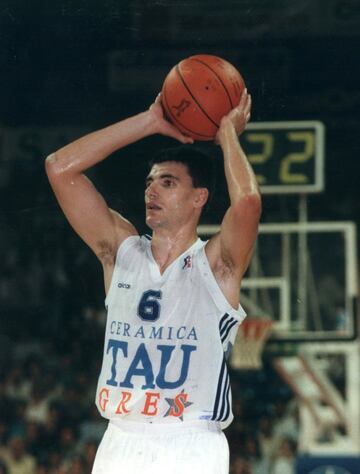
<point>167,246</point>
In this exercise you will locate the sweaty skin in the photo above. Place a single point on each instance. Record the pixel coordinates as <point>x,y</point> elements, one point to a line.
<point>173,205</point>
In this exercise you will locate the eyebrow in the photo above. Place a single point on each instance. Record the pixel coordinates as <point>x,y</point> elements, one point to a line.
<point>149,179</point>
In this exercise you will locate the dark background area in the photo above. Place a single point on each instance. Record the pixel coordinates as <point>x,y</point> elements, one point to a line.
<point>88,63</point>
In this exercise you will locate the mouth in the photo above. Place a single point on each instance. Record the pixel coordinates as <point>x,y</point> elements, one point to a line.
<point>151,206</point>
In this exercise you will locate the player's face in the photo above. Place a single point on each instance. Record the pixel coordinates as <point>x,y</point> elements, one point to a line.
<point>170,198</point>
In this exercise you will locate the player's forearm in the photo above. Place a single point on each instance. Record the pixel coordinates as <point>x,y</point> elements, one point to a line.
<point>240,178</point>
<point>85,152</point>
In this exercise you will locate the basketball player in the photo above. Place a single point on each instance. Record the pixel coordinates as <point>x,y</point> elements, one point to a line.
<point>172,300</point>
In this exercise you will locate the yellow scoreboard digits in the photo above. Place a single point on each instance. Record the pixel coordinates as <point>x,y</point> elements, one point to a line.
<point>307,139</point>
<point>287,157</point>
<point>266,142</point>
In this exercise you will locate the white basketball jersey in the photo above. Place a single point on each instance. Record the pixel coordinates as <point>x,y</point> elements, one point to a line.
<point>167,339</point>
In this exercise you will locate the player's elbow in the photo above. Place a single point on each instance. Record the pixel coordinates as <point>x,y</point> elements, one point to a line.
<point>248,206</point>
<point>253,201</point>
<point>53,167</point>
<point>50,163</point>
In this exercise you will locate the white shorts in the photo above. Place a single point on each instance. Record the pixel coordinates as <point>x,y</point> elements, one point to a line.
<point>139,448</point>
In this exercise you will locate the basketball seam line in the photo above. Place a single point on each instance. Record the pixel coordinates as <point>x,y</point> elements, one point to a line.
<point>216,74</point>
<point>202,110</point>
<point>179,123</point>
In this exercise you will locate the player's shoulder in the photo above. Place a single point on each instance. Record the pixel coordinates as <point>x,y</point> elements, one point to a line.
<point>134,244</point>
<point>129,242</point>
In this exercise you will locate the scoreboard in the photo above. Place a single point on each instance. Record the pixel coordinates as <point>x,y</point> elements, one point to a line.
<point>287,157</point>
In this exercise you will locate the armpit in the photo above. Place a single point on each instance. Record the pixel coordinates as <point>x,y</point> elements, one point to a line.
<point>224,268</point>
<point>105,252</point>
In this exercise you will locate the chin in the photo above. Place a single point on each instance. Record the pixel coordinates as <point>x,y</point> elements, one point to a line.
<point>154,224</point>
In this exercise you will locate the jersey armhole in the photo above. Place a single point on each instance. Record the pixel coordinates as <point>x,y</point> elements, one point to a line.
<point>123,248</point>
<point>215,290</point>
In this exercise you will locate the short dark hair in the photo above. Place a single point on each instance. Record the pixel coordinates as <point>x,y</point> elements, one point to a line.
<point>200,166</point>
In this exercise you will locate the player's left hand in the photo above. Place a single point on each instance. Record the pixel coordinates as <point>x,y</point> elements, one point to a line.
<point>237,117</point>
<point>163,126</point>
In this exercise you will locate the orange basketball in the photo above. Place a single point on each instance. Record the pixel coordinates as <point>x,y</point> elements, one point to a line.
<point>198,92</point>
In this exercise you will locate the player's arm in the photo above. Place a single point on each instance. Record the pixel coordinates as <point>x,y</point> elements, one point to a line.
<point>86,210</point>
<point>230,250</point>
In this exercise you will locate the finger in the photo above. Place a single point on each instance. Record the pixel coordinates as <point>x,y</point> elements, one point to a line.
<point>158,98</point>
<point>248,104</point>
<point>245,110</point>
<point>185,139</point>
<point>175,133</point>
<point>244,96</point>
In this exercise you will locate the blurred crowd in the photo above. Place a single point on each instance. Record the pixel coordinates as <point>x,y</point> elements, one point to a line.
<point>264,435</point>
<point>48,421</point>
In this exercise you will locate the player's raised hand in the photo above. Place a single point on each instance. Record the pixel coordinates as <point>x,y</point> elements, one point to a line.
<point>238,117</point>
<point>163,126</point>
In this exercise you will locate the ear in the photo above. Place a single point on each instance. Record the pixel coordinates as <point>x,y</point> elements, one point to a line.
<point>201,196</point>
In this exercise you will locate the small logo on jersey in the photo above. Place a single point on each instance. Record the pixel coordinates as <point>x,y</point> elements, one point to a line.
<point>187,262</point>
<point>177,405</point>
<point>124,285</point>
<point>205,417</point>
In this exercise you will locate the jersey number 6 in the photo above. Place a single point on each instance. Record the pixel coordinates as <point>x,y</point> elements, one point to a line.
<point>149,306</point>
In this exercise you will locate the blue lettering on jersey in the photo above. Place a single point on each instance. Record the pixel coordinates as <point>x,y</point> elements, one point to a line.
<point>141,365</point>
<point>170,333</point>
<point>156,333</point>
<point>141,358</point>
<point>149,306</point>
<point>181,332</point>
<point>192,334</point>
<point>115,346</point>
<point>166,352</point>
<point>121,328</point>
<point>140,332</point>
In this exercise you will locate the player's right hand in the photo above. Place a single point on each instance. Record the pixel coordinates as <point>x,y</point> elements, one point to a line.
<point>163,126</point>
<point>237,117</point>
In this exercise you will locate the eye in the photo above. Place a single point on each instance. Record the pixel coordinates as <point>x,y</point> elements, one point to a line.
<point>168,183</point>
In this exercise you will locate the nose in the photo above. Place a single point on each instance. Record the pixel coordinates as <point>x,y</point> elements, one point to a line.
<point>151,190</point>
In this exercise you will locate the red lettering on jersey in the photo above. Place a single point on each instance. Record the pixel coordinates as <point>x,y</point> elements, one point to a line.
<point>179,405</point>
<point>125,397</point>
<point>150,406</point>
<point>103,398</point>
